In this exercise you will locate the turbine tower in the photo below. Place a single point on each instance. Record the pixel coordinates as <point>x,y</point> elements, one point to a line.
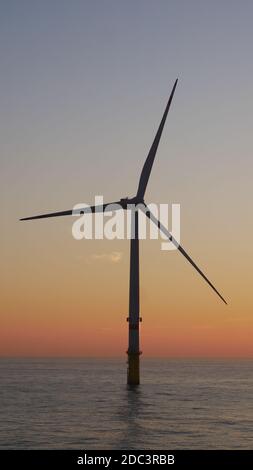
<point>135,204</point>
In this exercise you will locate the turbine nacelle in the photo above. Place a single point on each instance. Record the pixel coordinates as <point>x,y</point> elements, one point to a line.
<point>125,201</point>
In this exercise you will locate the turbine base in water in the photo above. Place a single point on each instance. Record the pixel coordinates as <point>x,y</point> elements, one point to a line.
<point>133,370</point>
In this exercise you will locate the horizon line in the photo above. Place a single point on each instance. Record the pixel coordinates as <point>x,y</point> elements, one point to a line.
<point>122,358</point>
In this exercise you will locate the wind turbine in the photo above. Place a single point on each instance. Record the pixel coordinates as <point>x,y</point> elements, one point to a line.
<point>136,203</point>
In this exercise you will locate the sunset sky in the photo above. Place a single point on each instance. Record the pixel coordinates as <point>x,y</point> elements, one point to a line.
<point>83,88</point>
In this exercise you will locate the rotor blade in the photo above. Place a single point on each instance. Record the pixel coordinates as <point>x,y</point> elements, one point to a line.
<point>99,208</point>
<point>152,152</point>
<point>180,248</point>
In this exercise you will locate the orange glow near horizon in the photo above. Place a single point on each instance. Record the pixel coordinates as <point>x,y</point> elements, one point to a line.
<point>71,305</point>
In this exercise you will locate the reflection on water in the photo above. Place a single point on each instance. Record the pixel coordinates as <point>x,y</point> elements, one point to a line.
<point>131,409</point>
<point>86,404</point>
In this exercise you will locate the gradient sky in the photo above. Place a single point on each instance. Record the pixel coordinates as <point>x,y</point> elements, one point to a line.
<point>82,90</point>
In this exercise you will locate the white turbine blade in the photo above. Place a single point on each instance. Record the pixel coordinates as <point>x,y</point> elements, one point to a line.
<point>180,248</point>
<point>152,152</point>
<point>99,208</point>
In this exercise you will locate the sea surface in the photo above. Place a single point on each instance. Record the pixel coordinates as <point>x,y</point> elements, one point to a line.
<point>86,404</point>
